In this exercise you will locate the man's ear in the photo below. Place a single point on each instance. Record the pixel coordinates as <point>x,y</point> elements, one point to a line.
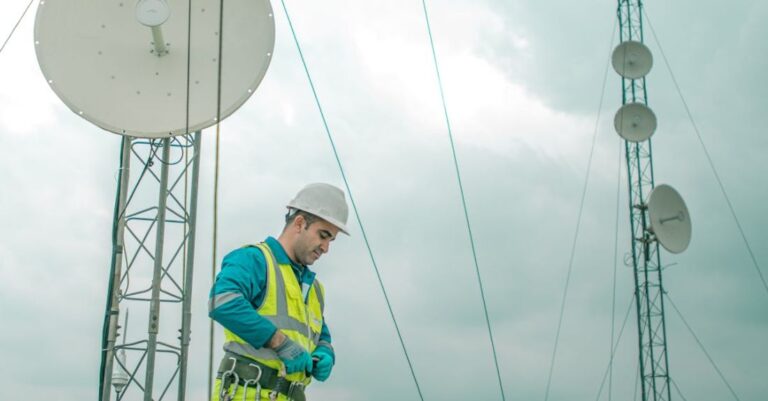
<point>298,222</point>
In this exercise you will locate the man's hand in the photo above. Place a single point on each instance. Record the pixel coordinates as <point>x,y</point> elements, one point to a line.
<point>324,364</point>
<point>295,358</point>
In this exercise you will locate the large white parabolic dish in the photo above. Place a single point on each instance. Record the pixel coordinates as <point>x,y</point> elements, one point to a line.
<point>632,60</point>
<point>100,60</point>
<point>670,220</point>
<point>635,122</point>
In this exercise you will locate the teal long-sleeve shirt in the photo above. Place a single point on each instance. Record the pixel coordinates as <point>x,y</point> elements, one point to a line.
<point>239,290</point>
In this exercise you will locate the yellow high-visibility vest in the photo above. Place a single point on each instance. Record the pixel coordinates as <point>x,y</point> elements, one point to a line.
<point>286,308</point>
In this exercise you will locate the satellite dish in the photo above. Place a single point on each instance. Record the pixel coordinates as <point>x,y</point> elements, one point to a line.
<point>635,122</point>
<point>123,65</point>
<point>670,220</point>
<point>632,60</point>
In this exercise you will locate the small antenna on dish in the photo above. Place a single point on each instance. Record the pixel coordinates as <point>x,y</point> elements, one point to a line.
<point>153,14</point>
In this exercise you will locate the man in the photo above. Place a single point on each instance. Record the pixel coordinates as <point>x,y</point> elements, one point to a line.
<point>271,305</point>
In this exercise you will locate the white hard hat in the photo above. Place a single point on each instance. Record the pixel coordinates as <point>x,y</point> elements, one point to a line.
<point>324,201</point>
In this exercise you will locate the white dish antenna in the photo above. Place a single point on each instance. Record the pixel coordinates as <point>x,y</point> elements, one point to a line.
<point>124,65</point>
<point>670,220</point>
<point>635,122</point>
<point>632,60</point>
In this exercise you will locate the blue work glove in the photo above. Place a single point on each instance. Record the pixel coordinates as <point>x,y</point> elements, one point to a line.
<point>324,363</point>
<point>295,358</point>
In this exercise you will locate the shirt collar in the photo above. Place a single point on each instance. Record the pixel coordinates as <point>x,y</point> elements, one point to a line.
<point>307,276</point>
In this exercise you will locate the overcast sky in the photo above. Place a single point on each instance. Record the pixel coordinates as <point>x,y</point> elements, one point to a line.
<point>523,82</point>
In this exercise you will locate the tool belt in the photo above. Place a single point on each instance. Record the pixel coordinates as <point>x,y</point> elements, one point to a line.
<point>239,371</point>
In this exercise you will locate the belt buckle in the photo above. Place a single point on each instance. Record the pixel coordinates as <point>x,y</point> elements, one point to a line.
<point>276,389</point>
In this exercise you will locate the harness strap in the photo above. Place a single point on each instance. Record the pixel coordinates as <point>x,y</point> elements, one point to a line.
<point>236,370</point>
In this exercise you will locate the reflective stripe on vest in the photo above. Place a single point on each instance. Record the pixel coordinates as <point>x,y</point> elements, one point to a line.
<point>284,306</point>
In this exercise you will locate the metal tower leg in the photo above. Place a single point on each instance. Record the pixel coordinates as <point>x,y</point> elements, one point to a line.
<point>117,262</point>
<point>154,303</point>
<point>187,307</point>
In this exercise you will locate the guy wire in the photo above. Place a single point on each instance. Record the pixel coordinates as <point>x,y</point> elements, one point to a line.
<point>709,158</point>
<point>351,198</point>
<point>680,393</point>
<point>216,192</point>
<point>186,137</point>
<point>614,346</point>
<point>15,26</point>
<point>615,264</point>
<point>185,268</point>
<point>578,219</point>
<point>463,201</point>
<point>701,345</point>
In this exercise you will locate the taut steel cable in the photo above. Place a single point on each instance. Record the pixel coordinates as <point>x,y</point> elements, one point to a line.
<point>351,198</point>
<point>216,194</point>
<point>463,200</point>
<point>578,220</point>
<point>709,158</point>
<point>703,349</point>
<point>16,26</point>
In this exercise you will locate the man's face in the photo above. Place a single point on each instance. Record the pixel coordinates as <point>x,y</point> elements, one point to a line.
<point>313,241</point>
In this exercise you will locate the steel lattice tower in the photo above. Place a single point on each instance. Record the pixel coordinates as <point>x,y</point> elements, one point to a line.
<point>97,56</point>
<point>646,260</point>
<point>152,269</point>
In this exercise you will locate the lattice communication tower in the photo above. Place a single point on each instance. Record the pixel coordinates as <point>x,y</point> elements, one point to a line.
<point>157,72</point>
<point>658,214</point>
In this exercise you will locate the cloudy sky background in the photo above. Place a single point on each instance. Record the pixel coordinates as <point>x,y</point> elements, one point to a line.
<point>523,81</point>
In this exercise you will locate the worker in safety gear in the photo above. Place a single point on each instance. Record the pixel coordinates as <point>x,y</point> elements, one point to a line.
<point>271,304</point>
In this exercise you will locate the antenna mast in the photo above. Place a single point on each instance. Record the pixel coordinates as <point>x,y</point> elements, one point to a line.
<point>150,70</point>
<point>656,217</point>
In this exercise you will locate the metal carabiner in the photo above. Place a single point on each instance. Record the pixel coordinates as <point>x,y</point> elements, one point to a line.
<point>225,395</point>
<point>253,381</point>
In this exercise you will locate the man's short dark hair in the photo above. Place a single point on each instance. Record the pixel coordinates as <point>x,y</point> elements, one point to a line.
<point>309,218</point>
